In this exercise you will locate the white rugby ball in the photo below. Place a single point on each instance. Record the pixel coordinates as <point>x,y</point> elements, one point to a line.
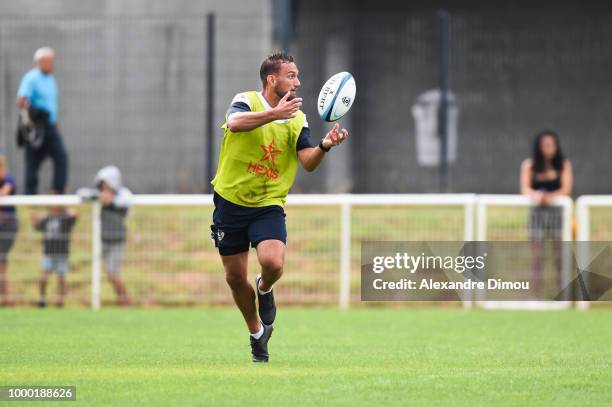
<point>336,96</point>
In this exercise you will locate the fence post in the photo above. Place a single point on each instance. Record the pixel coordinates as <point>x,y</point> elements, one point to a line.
<point>96,254</point>
<point>582,237</point>
<point>566,252</point>
<point>468,236</point>
<point>481,236</point>
<point>345,255</point>
<point>481,221</point>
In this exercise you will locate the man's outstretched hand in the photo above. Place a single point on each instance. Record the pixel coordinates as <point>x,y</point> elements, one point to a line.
<point>335,136</point>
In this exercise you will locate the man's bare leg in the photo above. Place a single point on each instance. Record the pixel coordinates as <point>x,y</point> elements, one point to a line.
<point>271,256</point>
<point>244,296</point>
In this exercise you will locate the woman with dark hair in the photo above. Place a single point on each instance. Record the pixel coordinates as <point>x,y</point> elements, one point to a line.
<point>544,177</point>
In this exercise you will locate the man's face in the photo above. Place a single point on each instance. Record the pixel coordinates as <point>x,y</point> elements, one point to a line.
<point>46,63</point>
<point>286,80</point>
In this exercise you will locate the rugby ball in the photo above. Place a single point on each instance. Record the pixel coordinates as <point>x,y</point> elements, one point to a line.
<point>336,96</point>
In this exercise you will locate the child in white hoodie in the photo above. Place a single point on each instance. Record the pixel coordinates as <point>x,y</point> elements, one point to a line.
<point>116,201</point>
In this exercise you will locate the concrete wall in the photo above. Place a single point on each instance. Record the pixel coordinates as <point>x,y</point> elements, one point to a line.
<point>516,67</point>
<point>132,81</point>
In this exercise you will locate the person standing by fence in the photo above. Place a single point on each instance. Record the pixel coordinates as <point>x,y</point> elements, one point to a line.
<point>545,176</point>
<point>57,227</point>
<point>8,227</point>
<point>116,201</point>
<point>37,99</point>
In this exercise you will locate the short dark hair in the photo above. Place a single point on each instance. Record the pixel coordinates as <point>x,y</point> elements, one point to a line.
<point>272,63</point>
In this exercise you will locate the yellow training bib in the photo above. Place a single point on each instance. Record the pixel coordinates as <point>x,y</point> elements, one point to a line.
<point>258,167</point>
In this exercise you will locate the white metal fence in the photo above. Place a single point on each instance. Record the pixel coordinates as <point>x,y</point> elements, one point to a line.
<point>170,259</point>
<point>593,223</point>
<point>390,217</point>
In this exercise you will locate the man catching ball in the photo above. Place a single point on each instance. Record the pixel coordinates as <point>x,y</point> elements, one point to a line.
<point>265,136</point>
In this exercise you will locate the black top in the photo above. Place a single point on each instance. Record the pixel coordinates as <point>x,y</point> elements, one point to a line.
<point>57,229</point>
<point>113,223</point>
<point>8,180</point>
<point>546,185</point>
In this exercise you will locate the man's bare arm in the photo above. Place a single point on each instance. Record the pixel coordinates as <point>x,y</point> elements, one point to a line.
<point>247,121</point>
<point>310,158</point>
<point>23,102</point>
<point>6,189</point>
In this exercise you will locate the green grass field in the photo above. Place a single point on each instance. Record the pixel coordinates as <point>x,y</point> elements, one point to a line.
<point>163,357</point>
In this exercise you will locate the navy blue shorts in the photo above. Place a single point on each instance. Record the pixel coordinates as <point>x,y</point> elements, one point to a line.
<point>236,227</point>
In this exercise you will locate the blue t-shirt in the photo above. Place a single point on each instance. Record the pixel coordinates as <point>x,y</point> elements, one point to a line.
<point>8,180</point>
<point>41,90</point>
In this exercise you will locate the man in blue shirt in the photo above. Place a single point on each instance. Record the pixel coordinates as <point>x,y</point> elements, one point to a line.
<point>39,90</point>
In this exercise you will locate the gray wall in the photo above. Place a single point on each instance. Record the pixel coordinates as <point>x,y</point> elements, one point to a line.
<point>132,82</point>
<point>516,67</point>
<point>131,76</point>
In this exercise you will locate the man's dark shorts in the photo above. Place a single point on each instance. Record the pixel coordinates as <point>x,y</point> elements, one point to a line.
<point>235,227</point>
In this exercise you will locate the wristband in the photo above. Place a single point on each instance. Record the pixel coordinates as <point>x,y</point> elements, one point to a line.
<point>323,148</point>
